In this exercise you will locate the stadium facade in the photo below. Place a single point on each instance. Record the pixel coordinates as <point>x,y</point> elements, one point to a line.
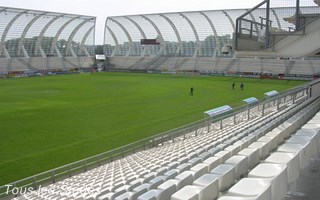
<point>188,34</point>
<point>41,40</point>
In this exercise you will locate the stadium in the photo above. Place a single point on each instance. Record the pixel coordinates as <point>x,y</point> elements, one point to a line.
<point>199,105</point>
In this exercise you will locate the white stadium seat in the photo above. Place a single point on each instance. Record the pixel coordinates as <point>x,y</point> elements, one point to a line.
<point>276,174</point>
<point>226,173</point>
<point>254,188</point>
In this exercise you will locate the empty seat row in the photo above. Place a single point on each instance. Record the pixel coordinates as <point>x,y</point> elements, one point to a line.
<point>280,171</point>
<point>238,166</point>
<point>144,172</point>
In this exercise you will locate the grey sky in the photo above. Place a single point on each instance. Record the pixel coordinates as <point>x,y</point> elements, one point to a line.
<point>104,8</point>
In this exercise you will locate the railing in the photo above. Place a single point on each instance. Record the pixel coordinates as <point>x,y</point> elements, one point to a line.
<point>246,26</point>
<point>252,34</point>
<point>240,114</point>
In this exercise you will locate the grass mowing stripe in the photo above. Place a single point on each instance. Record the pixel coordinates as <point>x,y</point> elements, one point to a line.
<point>50,121</point>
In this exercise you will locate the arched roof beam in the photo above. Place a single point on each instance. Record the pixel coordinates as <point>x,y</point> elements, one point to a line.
<point>138,26</point>
<point>277,18</point>
<point>218,48</point>
<point>39,40</point>
<point>230,20</point>
<point>74,32</point>
<point>5,32</point>
<point>115,41</point>
<point>85,37</point>
<point>175,31</point>
<point>25,31</point>
<point>198,46</point>
<point>126,33</point>
<point>140,30</point>
<point>55,40</point>
<point>192,26</point>
<point>162,43</point>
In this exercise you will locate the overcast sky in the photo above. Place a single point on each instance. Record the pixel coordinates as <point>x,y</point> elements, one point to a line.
<point>104,8</point>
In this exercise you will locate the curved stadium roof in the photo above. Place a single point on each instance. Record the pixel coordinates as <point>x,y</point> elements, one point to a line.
<point>31,33</point>
<point>197,33</point>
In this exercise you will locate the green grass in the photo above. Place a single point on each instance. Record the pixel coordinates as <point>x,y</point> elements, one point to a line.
<point>47,122</point>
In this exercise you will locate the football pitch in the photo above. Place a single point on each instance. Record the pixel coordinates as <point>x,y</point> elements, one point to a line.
<point>47,122</point>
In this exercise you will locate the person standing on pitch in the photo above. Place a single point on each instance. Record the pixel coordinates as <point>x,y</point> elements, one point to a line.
<point>233,84</point>
<point>241,86</point>
<point>191,91</point>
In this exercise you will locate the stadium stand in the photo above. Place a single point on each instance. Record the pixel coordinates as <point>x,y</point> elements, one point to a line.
<point>225,162</point>
<point>38,64</point>
<point>203,64</point>
<point>186,45</point>
<point>186,34</point>
<point>270,41</point>
<point>38,40</point>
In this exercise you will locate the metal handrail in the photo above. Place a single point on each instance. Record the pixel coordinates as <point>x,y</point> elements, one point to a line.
<point>302,28</point>
<point>241,17</point>
<point>267,25</point>
<point>51,176</point>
